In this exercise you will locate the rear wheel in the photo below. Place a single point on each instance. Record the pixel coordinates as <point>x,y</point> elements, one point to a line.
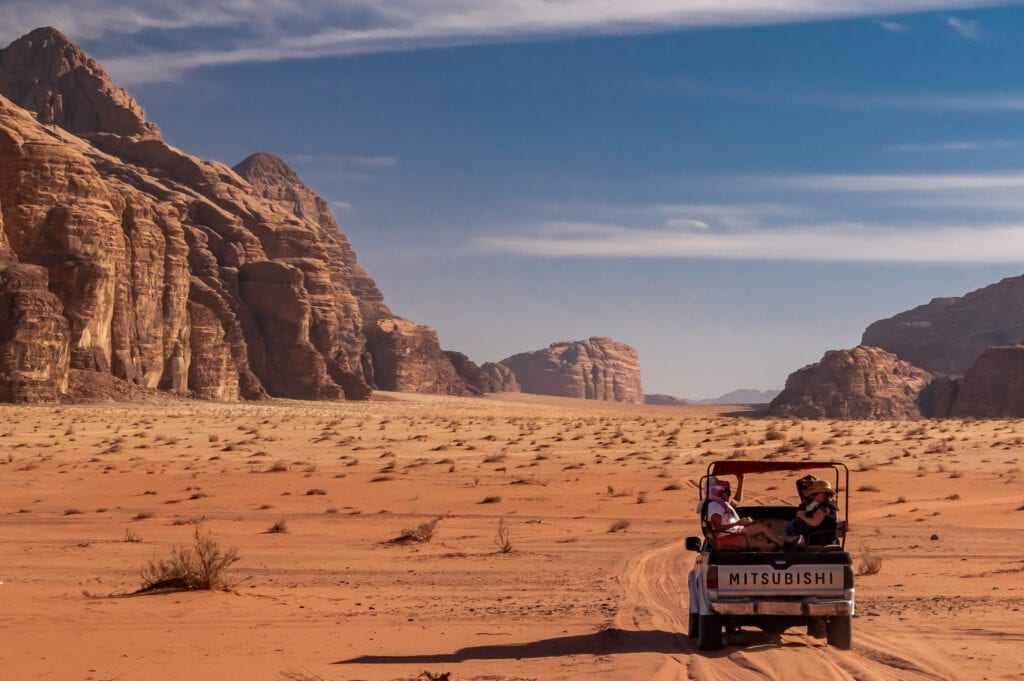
<point>709,632</point>
<point>839,632</point>
<point>694,625</point>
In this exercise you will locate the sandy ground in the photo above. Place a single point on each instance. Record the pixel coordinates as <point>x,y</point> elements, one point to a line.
<point>92,493</point>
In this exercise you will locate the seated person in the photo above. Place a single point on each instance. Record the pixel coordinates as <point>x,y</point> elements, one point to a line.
<point>816,521</point>
<point>729,530</point>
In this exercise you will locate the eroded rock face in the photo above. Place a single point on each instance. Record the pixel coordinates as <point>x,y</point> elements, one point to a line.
<point>861,383</point>
<point>994,386</point>
<point>168,271</point>
<point>596,369</point>
<point>33,337</point>
<point>947,335</point>
<point>491,377</point>
<point>406,357</point>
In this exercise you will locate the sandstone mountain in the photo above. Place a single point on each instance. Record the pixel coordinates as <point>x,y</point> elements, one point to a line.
<point>947,335</point>
<point>861,383</point>
<point>596,369</point>
<point>123,255</point>
<point>994,385</point>
<point>400,355</point>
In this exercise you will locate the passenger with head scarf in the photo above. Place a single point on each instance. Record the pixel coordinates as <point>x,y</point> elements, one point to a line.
<point>729,530</point>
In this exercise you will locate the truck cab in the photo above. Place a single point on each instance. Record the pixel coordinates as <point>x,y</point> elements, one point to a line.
<point>807,584</point>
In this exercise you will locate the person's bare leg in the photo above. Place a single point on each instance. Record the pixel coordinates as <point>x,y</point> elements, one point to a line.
<point>764,532</point>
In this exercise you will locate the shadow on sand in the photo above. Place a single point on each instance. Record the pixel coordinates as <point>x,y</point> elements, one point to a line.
<point>604,642</point>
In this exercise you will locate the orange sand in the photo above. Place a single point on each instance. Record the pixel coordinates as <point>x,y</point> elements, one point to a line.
<point>332,599</point>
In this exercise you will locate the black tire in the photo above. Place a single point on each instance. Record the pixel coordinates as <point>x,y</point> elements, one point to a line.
<point>709,632</point>
<point>839,632</point>
<point>694,625</point>
<point>816,628</point>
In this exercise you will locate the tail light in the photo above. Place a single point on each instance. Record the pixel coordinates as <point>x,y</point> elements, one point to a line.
<point>712,577</point>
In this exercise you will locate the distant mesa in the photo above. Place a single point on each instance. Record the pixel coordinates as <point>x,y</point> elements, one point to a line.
<point>598,368</point>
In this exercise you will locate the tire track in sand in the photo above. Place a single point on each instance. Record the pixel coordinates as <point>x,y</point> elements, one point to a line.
<point>656,597</point>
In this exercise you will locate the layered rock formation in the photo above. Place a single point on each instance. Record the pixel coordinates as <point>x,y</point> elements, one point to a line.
<point>407,357</point>
<point>123,255</point>
<point>861,383</point>
<point>947,335</point>
<point>595,369</point>
<point>492,377</point>
<point>994,385</point>
<point>400,355</point>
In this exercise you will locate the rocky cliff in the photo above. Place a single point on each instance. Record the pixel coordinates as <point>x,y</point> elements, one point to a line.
<point>595,369</point>
<point>947,335</point>
<point>122,255</point>
<point>861,383</point>
<point>994,385</point>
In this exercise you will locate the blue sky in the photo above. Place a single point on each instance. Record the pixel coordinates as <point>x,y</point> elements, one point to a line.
<point>733,188</point>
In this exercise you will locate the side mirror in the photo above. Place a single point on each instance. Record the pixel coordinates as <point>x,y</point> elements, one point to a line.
<point>693,544</point>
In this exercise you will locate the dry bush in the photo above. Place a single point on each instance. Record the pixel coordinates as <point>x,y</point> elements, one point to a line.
<point>503,538</point>
<point>280,527</point>
<point>870,562</point>
<point>491,500</point>
<point>641,498</point>
<point>203,566</point>
<point>278,467</point>
<point>131,536</point>
<point>674,487</point>
<point>423,532</point>
<point>618,526</point>
<point>867,488</point>
<point>316,491</point>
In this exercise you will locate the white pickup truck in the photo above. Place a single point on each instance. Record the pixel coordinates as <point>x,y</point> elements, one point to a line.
<point>807,585</point>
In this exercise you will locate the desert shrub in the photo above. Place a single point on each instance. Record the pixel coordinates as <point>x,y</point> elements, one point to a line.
<point>491,500</point>
<point>618,526</point>
<point>316,491</point>
<point>870,562</point>
<point>423,532</point>
<point>503,538</point>
<point>280,527</point>
<point>867,488</point>
<point>278,467</point>
<point>641,498</point>
<point>674,487</point>
<point>131,536</point>
<point>773,434</point>
<point>203,566</point>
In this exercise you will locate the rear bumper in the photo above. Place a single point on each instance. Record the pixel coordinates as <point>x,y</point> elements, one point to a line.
<point>809,607</point>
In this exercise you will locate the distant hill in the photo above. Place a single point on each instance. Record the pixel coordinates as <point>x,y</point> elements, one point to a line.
<point>741,396</point>
<point>664,400</point>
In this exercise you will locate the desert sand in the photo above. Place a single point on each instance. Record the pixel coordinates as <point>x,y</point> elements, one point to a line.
<point>596,499</point>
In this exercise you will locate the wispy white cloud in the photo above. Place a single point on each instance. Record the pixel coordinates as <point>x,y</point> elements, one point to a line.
<point>893,26</point>
<point>836,242</point>
<point>894,183</point>
<point>953,146</point>
<point>216,32</point>
<point>341,205</point>
<point>970,29</point>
